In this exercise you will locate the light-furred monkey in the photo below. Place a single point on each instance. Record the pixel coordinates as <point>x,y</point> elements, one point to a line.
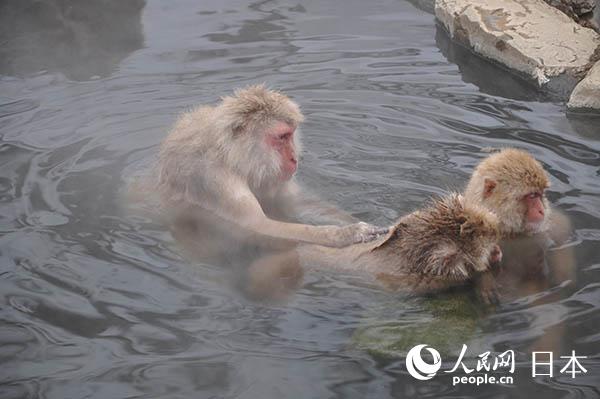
<point>512,184</point>
<point>225,178</point>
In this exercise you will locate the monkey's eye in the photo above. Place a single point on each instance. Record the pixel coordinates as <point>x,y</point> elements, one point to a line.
<point>531,196</point>
<point>284,136</point>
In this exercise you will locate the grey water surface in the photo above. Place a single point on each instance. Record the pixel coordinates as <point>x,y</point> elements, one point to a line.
<point>98,303</point>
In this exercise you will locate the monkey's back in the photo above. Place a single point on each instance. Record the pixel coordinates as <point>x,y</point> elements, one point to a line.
<point>400,262</point>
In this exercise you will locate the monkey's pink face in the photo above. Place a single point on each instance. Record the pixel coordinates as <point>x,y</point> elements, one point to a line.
<point>280,138</point>
<point>535,211</point>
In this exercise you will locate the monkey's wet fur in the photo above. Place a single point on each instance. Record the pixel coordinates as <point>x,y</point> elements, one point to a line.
<point>441,246</point>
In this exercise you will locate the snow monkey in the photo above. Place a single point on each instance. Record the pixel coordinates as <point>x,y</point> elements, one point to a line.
<point>236,161</point>
<point>226,180</point>
<point>511,183</point>
<point>439,247</point>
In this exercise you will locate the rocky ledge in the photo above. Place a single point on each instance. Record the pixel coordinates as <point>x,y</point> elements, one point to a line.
<point>586,96</point>
<point>538,42</point>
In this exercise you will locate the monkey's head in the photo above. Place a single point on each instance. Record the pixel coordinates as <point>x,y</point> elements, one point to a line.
<point>512,184</point>
<point>263,131</point>
<point>453,238</point>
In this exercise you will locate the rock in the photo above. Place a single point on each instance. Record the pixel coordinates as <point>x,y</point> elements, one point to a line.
<point>529,37</point>
<point>573,8</point>
<point>586,96</point>
<point>581,11</point>
<point>477,71</point>
<point>581,7</point>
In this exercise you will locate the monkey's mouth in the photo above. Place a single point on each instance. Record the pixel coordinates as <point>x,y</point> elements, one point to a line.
<point>535,227</point>
<point>289,169</point>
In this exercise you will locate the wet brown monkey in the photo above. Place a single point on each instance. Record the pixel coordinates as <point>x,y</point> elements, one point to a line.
<point>444,245</point>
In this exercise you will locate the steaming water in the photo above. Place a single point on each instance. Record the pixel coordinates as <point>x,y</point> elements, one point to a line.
<point>96,303</point>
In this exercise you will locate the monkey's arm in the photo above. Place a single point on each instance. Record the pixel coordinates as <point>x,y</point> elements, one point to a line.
<point>308,208</point>
<point>231,199</point>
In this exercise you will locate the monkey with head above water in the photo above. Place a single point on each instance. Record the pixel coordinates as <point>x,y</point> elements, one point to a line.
<point>512,184</point>
<point>226,184</point>
<point>234,163</point>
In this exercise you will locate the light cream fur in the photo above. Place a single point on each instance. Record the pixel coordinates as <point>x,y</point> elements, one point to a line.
<point>515,173</point>
<point>217,159</point>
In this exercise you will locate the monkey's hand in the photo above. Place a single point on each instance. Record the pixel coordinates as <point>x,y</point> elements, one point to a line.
<point>357,233</point>
<point>487,289</point>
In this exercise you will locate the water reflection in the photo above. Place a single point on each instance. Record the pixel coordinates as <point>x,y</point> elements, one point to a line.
<point>81,40</point>
<point>488,77</point>
<point>585,125</point>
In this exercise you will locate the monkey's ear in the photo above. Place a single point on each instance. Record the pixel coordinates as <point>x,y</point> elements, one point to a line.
<point>488,187</point>
<point>238,127</point>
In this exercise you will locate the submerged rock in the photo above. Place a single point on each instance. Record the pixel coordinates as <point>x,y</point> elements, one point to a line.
<point>537,41</point>
<point>454,319</point>
<point>586,96</point>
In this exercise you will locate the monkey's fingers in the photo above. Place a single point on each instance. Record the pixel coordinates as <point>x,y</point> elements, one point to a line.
<point>489,296</point>
<point>370,233</point>
<point>381,230</point>
<point>487,289</point>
